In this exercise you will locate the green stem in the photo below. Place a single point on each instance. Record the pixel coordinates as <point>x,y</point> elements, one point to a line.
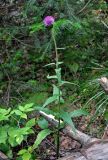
<point>55,45</point>
<point>58,140</point>
<point>58,128</point>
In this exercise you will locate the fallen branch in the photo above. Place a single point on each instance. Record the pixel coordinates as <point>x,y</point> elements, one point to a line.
<point>93,148</point>
<point>82,138</point>
<point>3,156</point>
<point>97,150</point>
<point>104,84</point>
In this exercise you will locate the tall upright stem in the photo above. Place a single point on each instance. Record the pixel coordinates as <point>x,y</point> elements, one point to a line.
<point>58,128</point>
<point>58,131</point>
<point>55,45</point>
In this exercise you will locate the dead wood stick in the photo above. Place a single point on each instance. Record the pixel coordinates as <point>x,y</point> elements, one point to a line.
<point>104,84</point>
<point>3,156</point>
<point>82,138</point>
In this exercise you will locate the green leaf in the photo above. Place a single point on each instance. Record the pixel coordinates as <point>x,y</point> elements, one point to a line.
<point>5,111</point>
<point>61,100</point>
<point>23,115</point>
<point>19,139</point>
<point>27,108</point>
<point>26,156</point>
<point>49,100</point>
<point>67,118</point>
<point>3,118</point>
<point>55,90</point>
<point>78,113</point>
<point>56,93</point>
<point>4,114</point>
<point>30,149</point>
<point>50,64</point>
<point>31,123</point>
<point>52,77</point>
<point>17,135</point>
<point>22,151</point>
<point>21,108</point>
<point>66,82</point>
<point>12,131</point>
<point>106,115</point>
<point>12,141</point>
<point>10,153</point>
<point>43,123</point>
<point>59,63</point>
<point>29,105</point>
<point>3,134</point>
<point>62,23</point>
<point>74,67</point>
<point>77,25</point>
<point>18,112</point>
<point>41,136</point>
<point>36,27</point>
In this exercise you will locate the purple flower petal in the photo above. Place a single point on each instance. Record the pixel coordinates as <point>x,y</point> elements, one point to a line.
<point>48,20</point>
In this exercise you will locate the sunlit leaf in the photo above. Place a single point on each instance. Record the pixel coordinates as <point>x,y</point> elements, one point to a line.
<point>26,156</point>
<point>31,123</point>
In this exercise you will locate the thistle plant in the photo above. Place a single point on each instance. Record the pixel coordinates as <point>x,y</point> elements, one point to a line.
<point>49,20</point>
<point>57,93</point>
<point>57,90</point>
<point>58,75</point>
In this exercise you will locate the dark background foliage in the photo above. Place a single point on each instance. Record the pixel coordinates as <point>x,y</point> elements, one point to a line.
<point>23,53</point>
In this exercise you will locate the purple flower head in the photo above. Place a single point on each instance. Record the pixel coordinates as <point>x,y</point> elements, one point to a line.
<point>48,20</point>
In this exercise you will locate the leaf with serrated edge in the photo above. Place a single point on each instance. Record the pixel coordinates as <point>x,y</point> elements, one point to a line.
<point>41,136</point>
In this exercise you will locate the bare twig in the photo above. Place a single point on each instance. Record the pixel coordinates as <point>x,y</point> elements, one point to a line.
<point>84,7</point>
<point>104,24</point>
